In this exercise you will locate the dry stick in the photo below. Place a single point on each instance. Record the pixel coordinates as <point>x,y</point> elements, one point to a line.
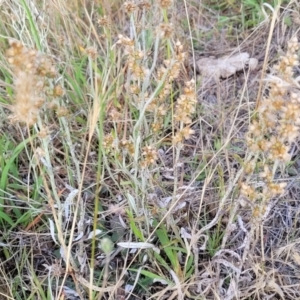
<point>194,240</point>
<point>92,125</point>
<point>275,13</point>
<point>232,216</point>
<point>92,128</point>
<point>248,242</point>
<point>51,201</point>
<point>230,221</point>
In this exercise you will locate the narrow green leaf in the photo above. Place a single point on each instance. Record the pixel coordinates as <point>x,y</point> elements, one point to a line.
<point>134,228</point>
<point>153,276</point>
<point>34,31</point>
<point>164,240</point>
<point>6,218</point>
<point>9,163</point>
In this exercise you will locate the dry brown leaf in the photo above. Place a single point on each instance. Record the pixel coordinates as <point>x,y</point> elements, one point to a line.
<point>296,257</point>
<point>273,286</point>
<point>226,66</point>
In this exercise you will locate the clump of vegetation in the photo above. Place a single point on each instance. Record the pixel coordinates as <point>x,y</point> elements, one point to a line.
<point>120,178</point>
<point>273,131</point>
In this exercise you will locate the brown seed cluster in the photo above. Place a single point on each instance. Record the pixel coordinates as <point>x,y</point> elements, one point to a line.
<point>184,109</point>
<point>134,58</point>
<point>165,30</point>
<point>30,69</point>
<point>149,156</point>
<point>150,84</point>
<point>130,7</point>
<point>186,102</point>
<point>274,129</point>
<point>165,3</point>
<point>277,124</point>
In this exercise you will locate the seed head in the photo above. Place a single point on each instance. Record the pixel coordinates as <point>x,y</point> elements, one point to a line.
<point>30,70</point>
<point>165,3</point>
<point>58,91</point>
<point>103,21</point>
<point>165,30</point>
<point>149,156</point>
<point>130,6</point>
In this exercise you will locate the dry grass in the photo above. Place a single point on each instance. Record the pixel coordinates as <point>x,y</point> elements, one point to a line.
<point>128,174</point>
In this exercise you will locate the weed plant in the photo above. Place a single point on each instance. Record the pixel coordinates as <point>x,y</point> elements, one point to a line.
<point>112,184</point>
